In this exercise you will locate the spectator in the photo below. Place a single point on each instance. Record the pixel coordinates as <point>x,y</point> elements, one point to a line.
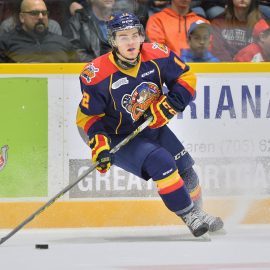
<point>232,31</point>
<point>198,40</point>
<point>10,23</point>
<point>31,41</point>
<point>259,51</point>
<point>213,8</point>
<point>170,26</point>
<point>87,29</point>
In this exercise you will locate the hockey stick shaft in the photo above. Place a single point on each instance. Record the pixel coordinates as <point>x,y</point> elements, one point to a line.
<point>70,186</point>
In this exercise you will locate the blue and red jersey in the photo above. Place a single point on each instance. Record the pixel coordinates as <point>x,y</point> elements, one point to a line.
<point>114,99</point>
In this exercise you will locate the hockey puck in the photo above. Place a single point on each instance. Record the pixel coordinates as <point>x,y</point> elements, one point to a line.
<point>42,246</point>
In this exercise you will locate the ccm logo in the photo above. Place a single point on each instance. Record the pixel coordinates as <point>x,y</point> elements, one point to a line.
<point>179,155</point>
<point>169,108</point>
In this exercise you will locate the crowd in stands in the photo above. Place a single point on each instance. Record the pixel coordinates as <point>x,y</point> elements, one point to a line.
<point>75,31</point>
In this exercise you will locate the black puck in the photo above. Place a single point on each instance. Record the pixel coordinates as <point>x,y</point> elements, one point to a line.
<point>42,246</point>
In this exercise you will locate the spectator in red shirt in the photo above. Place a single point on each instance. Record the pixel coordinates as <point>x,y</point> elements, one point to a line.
<point>259,51</point>
<point>232,31</point>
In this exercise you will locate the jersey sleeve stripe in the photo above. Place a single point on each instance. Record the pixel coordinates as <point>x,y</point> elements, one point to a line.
<point>188,81</point>
<point>91,121</point>
<point>85,121</point>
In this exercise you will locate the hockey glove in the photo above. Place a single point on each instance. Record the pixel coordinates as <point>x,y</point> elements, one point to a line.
<point>100,145</point>
<point>161,111</point>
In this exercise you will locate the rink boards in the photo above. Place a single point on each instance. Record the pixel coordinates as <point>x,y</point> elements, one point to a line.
<point>224,129</point>
<point>126,213</point>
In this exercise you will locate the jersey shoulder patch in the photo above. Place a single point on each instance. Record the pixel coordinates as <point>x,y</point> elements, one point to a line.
<point>98,70</point>
<point>152,51</point>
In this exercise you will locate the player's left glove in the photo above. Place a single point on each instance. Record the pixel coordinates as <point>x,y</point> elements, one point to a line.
<point>100,145</point>
<point>161,111</point>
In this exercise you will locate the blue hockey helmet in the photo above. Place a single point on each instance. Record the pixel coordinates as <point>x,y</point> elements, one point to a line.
<point>123,21</point>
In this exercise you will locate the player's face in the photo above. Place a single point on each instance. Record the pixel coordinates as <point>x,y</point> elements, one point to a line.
<point>34,16</point>
<point>128,43</point>
<point>199,41</point>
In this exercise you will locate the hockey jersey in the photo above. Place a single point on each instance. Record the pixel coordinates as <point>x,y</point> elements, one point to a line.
<point>114,99</point>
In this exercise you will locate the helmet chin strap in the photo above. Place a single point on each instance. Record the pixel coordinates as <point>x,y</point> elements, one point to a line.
<point>124,62</point>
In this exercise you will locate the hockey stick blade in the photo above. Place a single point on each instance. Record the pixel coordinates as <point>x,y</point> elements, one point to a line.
<point>70,186</point>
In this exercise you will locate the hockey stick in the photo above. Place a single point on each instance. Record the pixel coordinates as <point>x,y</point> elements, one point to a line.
<point>70,186</point>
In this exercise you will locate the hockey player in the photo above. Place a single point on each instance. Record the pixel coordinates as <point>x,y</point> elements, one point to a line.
<point>119,89</point>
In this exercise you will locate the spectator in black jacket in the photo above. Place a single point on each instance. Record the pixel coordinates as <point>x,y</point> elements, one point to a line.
<point>31,41</point>
<point>87,29</point>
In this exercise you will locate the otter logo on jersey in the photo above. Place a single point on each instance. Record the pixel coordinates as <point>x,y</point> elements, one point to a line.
<point>161,47</point>
<point>89,73</point>
<point>3,157</point>
<point>140,99</point>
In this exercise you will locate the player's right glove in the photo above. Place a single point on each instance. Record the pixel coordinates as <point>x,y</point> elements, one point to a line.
<point>161,111</point>
<point>100,145</point>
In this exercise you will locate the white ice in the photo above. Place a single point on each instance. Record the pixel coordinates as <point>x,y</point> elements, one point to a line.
<point>143,248</point>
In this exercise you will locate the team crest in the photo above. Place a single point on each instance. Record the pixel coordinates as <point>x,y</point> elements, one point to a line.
<point>161,47</point>
<point>3,157</point>
<point>89,73</point>
<point>140,99</point>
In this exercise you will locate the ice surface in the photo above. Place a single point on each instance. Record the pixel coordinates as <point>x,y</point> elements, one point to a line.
<point>144,248</point>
